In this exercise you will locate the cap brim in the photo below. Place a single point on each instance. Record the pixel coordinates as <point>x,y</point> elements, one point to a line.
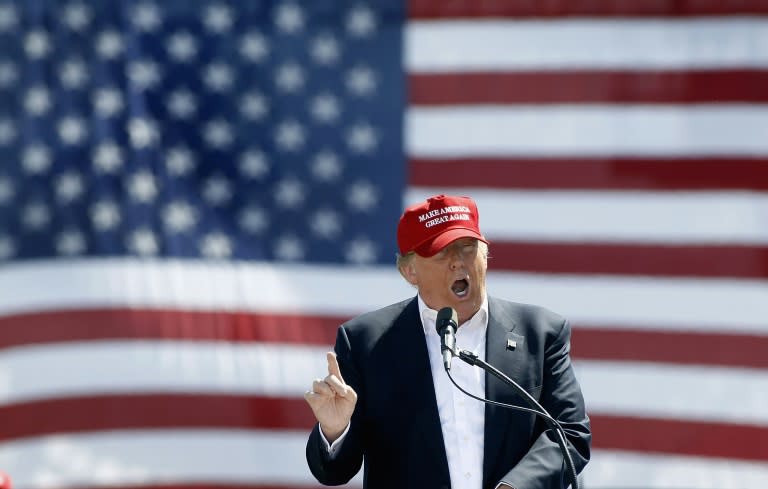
<point>433,246</point>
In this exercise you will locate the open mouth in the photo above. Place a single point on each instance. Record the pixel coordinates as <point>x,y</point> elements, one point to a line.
<point>460,287</point>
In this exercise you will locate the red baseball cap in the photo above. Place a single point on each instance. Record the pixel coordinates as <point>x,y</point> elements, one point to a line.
<point>430,226</point>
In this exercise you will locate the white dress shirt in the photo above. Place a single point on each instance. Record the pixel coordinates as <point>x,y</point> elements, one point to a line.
<point>462,418</point>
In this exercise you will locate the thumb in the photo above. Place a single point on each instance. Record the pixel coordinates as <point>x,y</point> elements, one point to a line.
<point>333,365</point>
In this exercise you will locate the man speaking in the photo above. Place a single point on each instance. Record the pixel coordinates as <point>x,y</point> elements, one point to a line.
<point>388,400</point>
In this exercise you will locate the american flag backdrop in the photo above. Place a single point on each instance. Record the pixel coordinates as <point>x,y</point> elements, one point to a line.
<point>194,194</point>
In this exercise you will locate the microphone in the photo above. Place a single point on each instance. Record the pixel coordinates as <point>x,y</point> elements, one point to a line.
<point>446,324</point>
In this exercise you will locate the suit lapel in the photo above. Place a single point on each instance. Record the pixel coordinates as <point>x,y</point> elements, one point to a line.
<point>500,326</point>
<point>413,360</point>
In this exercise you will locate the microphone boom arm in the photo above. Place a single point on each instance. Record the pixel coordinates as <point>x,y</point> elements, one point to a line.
<point>535,408</point>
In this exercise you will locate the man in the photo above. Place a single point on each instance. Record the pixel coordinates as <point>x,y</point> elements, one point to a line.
<point>387,397</point>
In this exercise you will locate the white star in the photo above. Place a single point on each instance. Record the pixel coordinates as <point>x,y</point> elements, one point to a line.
<point>36,159</point>
<point>217,191</point>
<point>143,242</point>
<point>289,136</point>
<point>325,49</point>
<point>325,108</point>
<point>37,101</point>
<point>219,77</point>
<point>289,18</point>
<point>218,134</point>
<point>37,45</point>
<point>7,132</point>
<point>253,220</point>
<point>9,18</point>
<point>289,77</point>
<point>142,186</point>
<point>216,245</point>
<point>144,74</point>
<point>289,193</point>
<point>325,223</point>
<point>361,21</point>
<point>73,74</point>
<point>254,47</point>
<point>69,243</point>
<point>107,102</point>
<point>146,17</point>
<point>253,164</point>
<point>7,247</point>
<point>254,106</point>
<point>6,190</point>
<point>360,251</point>
<point>182,104</point>
<point>361,81</point>
<point>289,248</point>
<point>76,16</point>
<point>179,217</point>
<point>362,138</point>
<point>8,74</point>
<point>72,130</point>
<point>107,157</point>
<point>143,132</point>
<point>35,216</point>
<point>218,18</point>
<point>109,44</point>
<point>182,47</point>
<point>69,186</point>
<point>179,160</point>
<point>362,196</point>
<point>105,215</point>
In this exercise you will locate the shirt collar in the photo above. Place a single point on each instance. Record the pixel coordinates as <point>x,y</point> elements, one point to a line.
<point>429,316</point>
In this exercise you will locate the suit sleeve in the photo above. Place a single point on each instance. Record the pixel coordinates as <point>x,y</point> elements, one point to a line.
<point>346,462</point>
<point>543,466</point>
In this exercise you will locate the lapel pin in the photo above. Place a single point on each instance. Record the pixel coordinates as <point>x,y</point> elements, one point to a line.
<point>511,344</point>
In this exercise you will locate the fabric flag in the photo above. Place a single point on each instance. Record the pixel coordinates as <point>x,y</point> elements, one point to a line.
<point>195,194</point>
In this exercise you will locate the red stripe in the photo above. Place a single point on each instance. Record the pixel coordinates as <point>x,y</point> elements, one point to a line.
<point>680,437</point>
<point>721,173</point>
<point>153,411</point>
<point>713,349</point>
<point>430,9</point>
<point>649,87</point>
<point>196,485</point>
<point>715,261</point>
<point>106,324</point>
<point>236,412</point>
<point>588,343</point>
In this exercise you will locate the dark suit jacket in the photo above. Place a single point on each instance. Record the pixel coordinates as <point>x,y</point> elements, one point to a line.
<point>396,427</point>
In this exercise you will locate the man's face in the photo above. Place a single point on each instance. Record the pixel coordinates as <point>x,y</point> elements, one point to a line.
<point>453,277</point>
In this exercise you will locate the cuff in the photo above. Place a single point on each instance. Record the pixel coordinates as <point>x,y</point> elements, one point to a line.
<point>332,448</point>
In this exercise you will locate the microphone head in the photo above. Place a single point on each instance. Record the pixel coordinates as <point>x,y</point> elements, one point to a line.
<point>446,317</point>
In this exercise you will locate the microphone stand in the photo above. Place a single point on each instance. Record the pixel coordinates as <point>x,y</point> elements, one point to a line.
<point>536,408</point>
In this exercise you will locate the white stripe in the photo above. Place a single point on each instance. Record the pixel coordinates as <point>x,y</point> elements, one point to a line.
<point>495,45</point>
<point>586,130</point>
<point>631,470</point>
<point>736,395</point>
<point>695,304</point>
<point>679,304</point>
<point>638,217</point>
<point>159,456</point>
<point>91,368</point>
<point>115,367</point>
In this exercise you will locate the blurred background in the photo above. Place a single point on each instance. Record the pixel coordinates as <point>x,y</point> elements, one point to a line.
<point>195,194</point>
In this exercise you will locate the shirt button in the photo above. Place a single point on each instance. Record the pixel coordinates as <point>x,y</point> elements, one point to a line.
<point>468,474</point>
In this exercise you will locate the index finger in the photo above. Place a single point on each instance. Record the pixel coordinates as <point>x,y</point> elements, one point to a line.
<point>333,365</point>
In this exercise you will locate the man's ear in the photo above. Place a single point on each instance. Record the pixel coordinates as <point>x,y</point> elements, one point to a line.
<point>408,271</point>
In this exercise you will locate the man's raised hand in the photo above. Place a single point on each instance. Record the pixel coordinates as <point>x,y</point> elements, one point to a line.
<point>332,400</point>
